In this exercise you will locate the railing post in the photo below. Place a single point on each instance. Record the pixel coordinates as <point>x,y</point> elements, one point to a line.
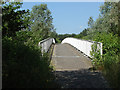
<point>101,49</point>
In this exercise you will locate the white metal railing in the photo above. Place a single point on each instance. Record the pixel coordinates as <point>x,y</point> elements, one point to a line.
<point>82,45</point>
<point>45,44</point>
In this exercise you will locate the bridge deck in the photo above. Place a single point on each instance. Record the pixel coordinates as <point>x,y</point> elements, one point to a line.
<point>72,69</point>
<point>65,57</point>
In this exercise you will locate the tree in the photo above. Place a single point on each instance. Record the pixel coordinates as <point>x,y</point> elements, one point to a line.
<point>21,56</point>
<point>41,21</point>
<point>108,20</point>
<point>90,22</point>
<point>106,29</point>
<point>82,34</point>
<point>53,34</point>
<point>13,18</point>
<point>91,25</point>
<point>109,17</point>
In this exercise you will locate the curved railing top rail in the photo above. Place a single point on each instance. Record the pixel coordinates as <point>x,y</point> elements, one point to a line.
<point>45,44</point>
<point>83,40</point>
<point>45,40</point>
<point>83,45</point>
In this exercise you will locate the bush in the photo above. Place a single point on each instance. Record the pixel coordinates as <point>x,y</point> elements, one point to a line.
<point>24,66</point>
<point>96,56</point>
<point>110,59</point>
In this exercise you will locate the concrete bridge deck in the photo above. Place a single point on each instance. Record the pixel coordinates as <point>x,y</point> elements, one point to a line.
<point>72,69</point>
<point>65,57</point>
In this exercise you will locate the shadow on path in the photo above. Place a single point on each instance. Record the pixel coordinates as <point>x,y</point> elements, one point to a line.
<point>80,79</point>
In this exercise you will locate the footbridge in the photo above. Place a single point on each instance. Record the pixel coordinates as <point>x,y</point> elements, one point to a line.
<point>72,63</point>
<point>83,46</point>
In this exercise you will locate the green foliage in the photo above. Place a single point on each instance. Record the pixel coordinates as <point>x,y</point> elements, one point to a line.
<point>90,22</point>
<point>13,19</point>
<point>108,20</point>
<point>96,56</point>
<point>109,61</point>
<point>42,21</point>
<point>82,34</point>
<point>110,42</point>
<point>23,64</point>
<point>23,36</point>
<point>57,40</point>
<point>27,37</point>
<point>61,37</point>
<point>106,29</point>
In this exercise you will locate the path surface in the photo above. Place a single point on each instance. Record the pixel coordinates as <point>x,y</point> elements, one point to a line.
<point>72,69</point>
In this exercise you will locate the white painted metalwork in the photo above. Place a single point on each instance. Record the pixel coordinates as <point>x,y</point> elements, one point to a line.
<point>45,44</point>
<point>82,45</point>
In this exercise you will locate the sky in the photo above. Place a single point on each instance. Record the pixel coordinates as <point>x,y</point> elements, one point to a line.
<point>69,17</point>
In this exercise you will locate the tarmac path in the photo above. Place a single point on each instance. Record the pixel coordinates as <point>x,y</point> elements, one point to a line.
<point>72,69</point>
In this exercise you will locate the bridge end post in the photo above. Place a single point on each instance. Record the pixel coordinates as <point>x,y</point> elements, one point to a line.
<point>101,49</point>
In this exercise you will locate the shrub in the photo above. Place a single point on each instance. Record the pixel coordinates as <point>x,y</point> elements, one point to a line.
<point>96,55</point>
<point>24,66</point>
<point>110,58</point>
